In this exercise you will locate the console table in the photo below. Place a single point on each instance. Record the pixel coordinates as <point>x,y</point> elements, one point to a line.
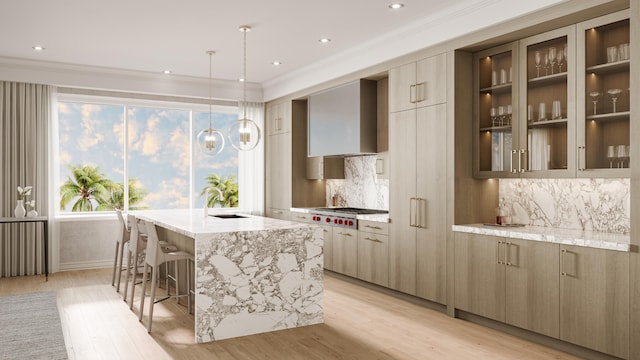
<point>45,239</point>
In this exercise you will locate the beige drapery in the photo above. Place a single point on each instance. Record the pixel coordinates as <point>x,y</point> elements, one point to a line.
<point>25,110</point>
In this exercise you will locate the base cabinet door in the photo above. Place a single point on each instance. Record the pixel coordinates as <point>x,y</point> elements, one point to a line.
<point>480,275</point>
<point>532,286</point>
<point>327,248</point>
<point>373,258</point>
<point>345,251</point>
<point>594,299</point>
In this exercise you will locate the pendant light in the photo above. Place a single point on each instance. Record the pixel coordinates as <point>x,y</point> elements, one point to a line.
<point>244,134</point>
<point>210,141</point>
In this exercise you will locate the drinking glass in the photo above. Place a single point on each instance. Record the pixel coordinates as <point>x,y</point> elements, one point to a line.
<point>556,112</point>
<point>542,112</point>
<point>560,59</point>
<point>502,113</point>
<point>509,114</point>
<point>623,51</point>
<point>594,97</point>
<point>545,61</point>
<point>611,155</point>
<point>552,57</point>
<point>492,115</point>
<point>621,155</point>
<point>612,54</point>
<point>614,96</point>
<point>538,58</point>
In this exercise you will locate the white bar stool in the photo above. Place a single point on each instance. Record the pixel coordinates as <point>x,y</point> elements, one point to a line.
<point>155,256</point>
<point>121,240</point>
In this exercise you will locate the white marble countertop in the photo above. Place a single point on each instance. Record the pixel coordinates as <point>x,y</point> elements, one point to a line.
<point>192,223</point>
<point>600,240</point>
<point>367,217</point>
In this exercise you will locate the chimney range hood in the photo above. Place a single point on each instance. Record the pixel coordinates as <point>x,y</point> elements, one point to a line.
<point>343,120</point>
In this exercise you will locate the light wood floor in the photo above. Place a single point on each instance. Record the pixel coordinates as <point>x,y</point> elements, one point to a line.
<point>360,323</point>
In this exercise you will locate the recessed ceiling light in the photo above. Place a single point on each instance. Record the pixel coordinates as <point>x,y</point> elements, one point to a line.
<point>396,6</point>
<point>167,71</point>
<point>241,80</point>
<point>276,63</point>
<point>37,47</point>
<point>324,40</point>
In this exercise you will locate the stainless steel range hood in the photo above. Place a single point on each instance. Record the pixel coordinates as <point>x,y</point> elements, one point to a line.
<point>343,120</point>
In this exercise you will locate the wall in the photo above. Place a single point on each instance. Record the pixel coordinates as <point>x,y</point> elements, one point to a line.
<point>361,186</point>
<point>583,204</point>
<point>87,243</point>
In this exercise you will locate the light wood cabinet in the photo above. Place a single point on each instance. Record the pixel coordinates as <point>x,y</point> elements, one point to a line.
<point>320,167</point>
<point>345,251</point>
<point>327,231</point>
<point>508,280</point>
<point>373,252</point>
<point>278,171</point>
<point>594,299</point>
<point>278,117</point>
<point>417,232</point>
<point>417,84</point>
<point>301,217</point>
<point>282,214</point>
<point>604,76</point>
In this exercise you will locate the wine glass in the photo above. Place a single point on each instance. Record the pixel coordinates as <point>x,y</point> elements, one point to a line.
<point>492,115</point>
<point>545,61</point>
<point>611,155</point>
<point>560,58</point>
<point>614,96</point>
<point>594,97</point>
<point>622,155</point>
<point>538,58</point>
<point>552,57</point>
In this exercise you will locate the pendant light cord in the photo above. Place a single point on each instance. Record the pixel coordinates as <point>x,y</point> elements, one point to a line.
<point>245,29</point>
<point>210,91</point>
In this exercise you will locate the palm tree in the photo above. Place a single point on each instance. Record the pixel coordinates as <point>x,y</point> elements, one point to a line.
<point>88,183</point>
<point>228,186</point>
<point>115,200</point>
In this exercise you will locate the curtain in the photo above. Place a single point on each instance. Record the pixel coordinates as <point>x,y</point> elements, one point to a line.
<point>251,165</point>
<point>24,118</point>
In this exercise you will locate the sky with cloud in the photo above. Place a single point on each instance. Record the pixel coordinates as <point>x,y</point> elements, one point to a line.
<point>159,148</point>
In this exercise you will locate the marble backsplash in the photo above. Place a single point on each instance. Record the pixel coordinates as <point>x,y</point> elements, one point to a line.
<point>582,204</point>
<point>360,186</point>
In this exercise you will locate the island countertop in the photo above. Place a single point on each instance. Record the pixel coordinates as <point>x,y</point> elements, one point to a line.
<point>594,239</point>
<point>191,222</point>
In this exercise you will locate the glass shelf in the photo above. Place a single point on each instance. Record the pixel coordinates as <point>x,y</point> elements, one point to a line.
<point>609,68</point>
<point>548,79</point>
<point>547,123</point>
<point>616,116</point>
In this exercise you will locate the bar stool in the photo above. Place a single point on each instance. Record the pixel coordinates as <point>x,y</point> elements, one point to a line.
<point>155,256</point>
<point>121,240</point>
<point>137,246</point>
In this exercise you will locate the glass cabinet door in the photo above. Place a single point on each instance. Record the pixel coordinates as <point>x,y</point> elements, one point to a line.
<point>546,140</point>
<point>496,110</point>
<point>604,83</point>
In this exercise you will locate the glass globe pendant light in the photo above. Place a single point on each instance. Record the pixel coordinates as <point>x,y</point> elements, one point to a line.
<point>210,141</point>
<point>244,134</point>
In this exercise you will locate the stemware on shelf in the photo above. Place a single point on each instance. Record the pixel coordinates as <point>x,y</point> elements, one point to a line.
<point>493,115</point>
<point>560,59</point>
<point>594,97</point>
<point>621,155</point>
<point>611,155</point>
<point>538,58</point>
<point>552,57</point>
<point>545,60</point>
<point>614,96</point>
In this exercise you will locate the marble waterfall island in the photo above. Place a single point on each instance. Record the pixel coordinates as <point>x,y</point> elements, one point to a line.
<point>253,274</point>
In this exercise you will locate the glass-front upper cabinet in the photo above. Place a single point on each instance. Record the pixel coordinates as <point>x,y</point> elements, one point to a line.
<point>603,93</point>
<point>496,109</point>
<point>546,134</point>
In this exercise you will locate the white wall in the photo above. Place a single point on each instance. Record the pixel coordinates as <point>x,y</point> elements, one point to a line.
<point>86,243</point>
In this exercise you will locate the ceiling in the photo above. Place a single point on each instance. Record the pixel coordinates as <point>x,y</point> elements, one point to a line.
<point>154,35</point>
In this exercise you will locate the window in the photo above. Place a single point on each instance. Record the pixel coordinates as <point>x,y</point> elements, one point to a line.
<point>159,161</point>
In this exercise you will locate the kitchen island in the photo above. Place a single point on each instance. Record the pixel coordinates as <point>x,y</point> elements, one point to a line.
<point>252,274</point>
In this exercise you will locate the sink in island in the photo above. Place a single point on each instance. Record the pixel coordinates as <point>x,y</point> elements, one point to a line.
<point>252,274</point>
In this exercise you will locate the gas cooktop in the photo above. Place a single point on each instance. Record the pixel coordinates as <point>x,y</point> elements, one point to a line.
<point>341,216</point>
<point>352,210</point>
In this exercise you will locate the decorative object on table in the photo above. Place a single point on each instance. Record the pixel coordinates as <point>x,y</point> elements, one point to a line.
<point>210,141</point>
<point>31,204</point>
<point>20,211</point>
<point>244,134</point>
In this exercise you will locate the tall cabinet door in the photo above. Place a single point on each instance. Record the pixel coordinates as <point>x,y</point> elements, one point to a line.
<point>430,198</point>
<point>278,171</point>
<point>402,186</point>
<point>594,299</point>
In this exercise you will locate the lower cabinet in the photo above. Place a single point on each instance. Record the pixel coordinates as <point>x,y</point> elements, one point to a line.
<point>281,214</point>
<point>373,253</point>
<point>327,249</point>
<point>345,251</point>
<point>594,299</point>
<point>508,280</point>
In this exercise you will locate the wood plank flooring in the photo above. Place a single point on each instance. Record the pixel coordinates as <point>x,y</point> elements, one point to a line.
<point>360,323</point>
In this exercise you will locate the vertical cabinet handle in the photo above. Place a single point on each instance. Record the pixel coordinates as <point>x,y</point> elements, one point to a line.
<point>513,152</point>
<point>581,158</point>
<point>562,252</point>
<point>507,248</point>
<point>522,152</point>
<point>412,218</point>
<point>498,261</point>
<point>421,92</point>
<point>412,94</point>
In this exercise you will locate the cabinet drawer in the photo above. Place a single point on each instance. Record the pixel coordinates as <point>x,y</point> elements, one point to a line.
<point>301,217</point>
<point>375,227</point>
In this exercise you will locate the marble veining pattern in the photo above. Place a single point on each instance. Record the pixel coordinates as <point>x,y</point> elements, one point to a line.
<point>580,204</point>
<point>595,239</point>
<point>250,282</point>
<point>360,186</point>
